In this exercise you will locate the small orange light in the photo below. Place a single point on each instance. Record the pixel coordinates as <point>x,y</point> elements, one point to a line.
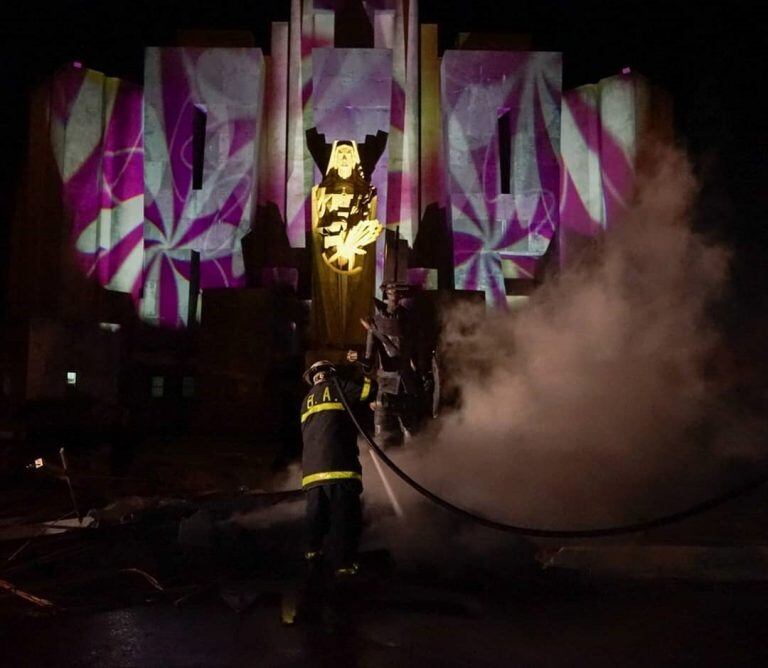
<point>39,463</point>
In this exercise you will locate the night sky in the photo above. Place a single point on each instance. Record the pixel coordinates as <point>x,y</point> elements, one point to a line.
<point>711,58</point>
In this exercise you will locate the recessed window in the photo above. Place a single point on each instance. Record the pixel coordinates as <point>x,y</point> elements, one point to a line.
<point>505,151</point>
<point>158,386</point>
<point>71,377</point>
<point>149,299</point>
<point>199,121</point>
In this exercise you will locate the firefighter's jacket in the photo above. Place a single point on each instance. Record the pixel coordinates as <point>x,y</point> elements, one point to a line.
<point>390,349</point>
<point>329,435</point>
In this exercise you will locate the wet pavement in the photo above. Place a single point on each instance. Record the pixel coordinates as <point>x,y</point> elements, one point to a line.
<point>548,623</point>
<point>494,606</point>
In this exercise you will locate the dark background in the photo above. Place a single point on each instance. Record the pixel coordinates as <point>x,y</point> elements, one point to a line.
<point>709,57</point>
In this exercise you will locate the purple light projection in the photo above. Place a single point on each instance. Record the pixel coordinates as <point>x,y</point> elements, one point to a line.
<point>137,218</point>
<point>96,134</point>
<point>395,26</point>
<point>356,104</point>
<point>223,87</point>
<point>500,229</point>
<point>273,140</point>
<point>395,30</point>
<point>310,28</point>
<point>601,127</point>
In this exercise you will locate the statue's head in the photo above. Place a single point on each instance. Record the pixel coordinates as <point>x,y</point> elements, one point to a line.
<point>344,158</point>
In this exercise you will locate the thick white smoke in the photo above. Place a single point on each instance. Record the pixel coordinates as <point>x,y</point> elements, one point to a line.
<point>594,403</point>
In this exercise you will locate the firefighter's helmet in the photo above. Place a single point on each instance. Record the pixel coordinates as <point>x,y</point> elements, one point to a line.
<point>320,365</point>
<point>396,285</point>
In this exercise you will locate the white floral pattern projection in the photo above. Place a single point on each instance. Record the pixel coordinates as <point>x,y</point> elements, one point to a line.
<point>226,86</point>
<point>96,133</point>
<point>500,229</point>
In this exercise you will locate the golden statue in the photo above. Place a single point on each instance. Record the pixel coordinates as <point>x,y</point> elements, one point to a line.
<point>344,210</point>
<point>344,229</point>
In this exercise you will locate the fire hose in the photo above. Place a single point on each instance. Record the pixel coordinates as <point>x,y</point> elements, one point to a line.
<point>535,532</point>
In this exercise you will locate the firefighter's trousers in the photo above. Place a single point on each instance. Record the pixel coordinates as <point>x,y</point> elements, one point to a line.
<point>334,523</point>
<point>395,418</point>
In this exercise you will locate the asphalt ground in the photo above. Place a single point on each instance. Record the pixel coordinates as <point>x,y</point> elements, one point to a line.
<point>511,613</point>
<point>544,620</point>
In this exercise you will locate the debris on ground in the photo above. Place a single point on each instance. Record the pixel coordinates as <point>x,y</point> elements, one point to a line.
<point>37,600</point>
<point>15,532</point>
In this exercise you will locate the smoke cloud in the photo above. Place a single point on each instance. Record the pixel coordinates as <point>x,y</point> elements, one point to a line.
<point>596,402</point>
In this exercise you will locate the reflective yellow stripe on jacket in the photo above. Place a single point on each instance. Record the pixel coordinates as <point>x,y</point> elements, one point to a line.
<point>330,475</point>
<point>366,389</point>
<point>335,406</point>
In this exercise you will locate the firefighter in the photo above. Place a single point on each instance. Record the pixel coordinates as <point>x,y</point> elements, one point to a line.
<point>332,475</point>
<point>390,350</point>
